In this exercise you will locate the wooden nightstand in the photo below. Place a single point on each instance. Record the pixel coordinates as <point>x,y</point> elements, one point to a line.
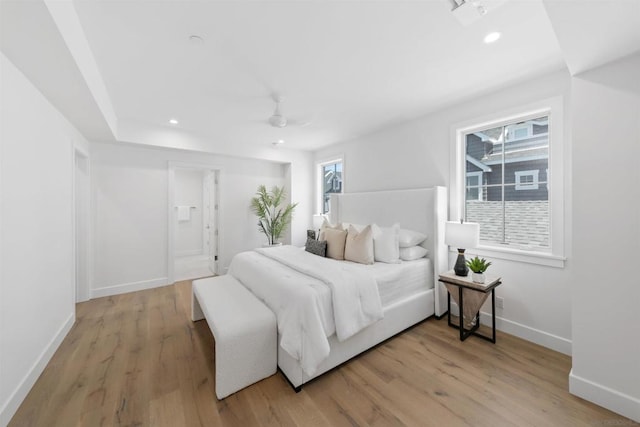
<point>470,296</point>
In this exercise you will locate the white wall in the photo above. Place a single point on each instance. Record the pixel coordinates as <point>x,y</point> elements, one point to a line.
<point>37,284</point>
<point>130,200</point>
<point>188,186</point>
<point>537,299</point>
<point>605,287</point>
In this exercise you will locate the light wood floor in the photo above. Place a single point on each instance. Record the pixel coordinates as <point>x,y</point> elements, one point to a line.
<point>137,359</point>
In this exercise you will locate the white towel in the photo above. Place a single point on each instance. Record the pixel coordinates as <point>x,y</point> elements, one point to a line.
<point>184,213</point>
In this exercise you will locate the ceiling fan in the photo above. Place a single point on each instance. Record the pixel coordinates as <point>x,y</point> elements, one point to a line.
<point>279,120</point>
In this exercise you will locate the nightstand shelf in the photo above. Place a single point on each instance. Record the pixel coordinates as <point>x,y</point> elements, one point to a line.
<point>470,296</point>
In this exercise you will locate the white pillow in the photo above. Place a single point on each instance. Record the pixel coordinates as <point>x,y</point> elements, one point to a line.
<point>359,245</point>
<point>413,253</point>
<point>358,227</point>
<point>409,238</point>
<point>385,243</point>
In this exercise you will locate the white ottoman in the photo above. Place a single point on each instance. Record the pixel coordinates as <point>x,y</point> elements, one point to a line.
<point>244,329</point>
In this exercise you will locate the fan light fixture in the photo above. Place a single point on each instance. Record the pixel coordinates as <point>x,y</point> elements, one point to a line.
<point>277,120</point>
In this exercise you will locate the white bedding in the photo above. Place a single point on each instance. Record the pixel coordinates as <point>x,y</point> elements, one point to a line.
<point>294,284</point>
<point>277,276</point>
<point>258,273</point>
<point>354,293</point>
<point>397,281</point>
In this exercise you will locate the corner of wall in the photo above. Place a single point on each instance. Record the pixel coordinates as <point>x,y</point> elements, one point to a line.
<point>606,397</point>
<point>20,393</point>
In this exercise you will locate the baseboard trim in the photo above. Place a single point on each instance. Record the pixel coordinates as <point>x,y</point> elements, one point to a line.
<point>20,393</point>
<point>528,333</point>
<point>606,397</point>
<point>128,287</point>
<point>525,332</point>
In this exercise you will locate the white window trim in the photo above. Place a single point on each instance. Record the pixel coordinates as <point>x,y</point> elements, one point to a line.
<point>514,128</point>
<point>527,185</point>
<point>319,177</point>
<point>478,175</point>
<point>553,107</point>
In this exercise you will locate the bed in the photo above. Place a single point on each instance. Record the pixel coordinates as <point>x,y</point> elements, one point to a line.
<point>328,325</point>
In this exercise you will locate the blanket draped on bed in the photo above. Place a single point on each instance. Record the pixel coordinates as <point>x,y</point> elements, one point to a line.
<point>283,277</point>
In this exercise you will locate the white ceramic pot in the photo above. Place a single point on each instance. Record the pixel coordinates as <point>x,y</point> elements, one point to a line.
<point>477,277</point>
<point>267,245</point>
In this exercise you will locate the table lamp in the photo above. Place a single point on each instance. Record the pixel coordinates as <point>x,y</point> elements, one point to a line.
<point>461,235</point>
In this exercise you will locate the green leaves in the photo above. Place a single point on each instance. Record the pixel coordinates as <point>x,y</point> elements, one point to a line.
<point>272,219</point>
<point>478,265</point>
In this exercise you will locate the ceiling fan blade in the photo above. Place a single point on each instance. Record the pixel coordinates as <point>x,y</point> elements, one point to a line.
<point>299,123</point>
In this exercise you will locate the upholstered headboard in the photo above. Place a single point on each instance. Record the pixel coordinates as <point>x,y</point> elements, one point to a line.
<point>423,209</point>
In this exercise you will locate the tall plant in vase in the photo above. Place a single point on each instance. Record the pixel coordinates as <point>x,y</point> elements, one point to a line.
<point>273,218</point>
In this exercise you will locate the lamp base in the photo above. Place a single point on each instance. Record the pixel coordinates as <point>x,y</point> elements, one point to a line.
<point>461,268</point>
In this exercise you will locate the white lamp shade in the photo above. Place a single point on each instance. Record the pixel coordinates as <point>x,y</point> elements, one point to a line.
<point>318,219</point>
<point>462,235</point>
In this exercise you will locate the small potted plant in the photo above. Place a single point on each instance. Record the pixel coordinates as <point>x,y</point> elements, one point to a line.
<point>273,218</point>
<point>478,267</point>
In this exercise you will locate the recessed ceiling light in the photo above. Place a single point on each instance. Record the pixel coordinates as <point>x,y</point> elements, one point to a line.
<point>492,37</point>
<point>278,142</point>
<point>173,121</point>
<point>195,39</point>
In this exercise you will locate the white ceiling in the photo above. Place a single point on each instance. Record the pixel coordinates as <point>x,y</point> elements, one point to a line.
<point>352,67</point>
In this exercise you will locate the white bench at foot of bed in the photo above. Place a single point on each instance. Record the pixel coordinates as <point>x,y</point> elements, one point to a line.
<point>244,330</point>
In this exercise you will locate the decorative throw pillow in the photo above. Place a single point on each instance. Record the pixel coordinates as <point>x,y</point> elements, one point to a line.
<point>359,245</point>
<point>413,253</point>
<point>358,227</point>
<point>327,226</point>
<point>409,238</point>
<point>386,243</point>
<point>316,247</point>
<point>335,242</point>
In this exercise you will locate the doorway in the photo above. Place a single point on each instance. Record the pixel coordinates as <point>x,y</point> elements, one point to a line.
<point>81,224</point>
<point>193,222</point>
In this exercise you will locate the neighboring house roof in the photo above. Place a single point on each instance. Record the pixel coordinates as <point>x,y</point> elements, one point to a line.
<point>535,147</point>
<point>329,176</point>
<point>478,164</point>
<point>512,156</point>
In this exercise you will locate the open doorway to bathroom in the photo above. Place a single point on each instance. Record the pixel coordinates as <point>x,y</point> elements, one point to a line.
<point>193,222</point>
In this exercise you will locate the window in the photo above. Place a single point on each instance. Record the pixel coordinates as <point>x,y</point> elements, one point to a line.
<point>518,131</point>
<point>331,181</point>
<point>527,180</point>
<point>474,185</point>
<point>506,215</point>
<point>503,168</point>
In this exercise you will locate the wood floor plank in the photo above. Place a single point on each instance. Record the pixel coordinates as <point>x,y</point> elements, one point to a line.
<point>138,360</point>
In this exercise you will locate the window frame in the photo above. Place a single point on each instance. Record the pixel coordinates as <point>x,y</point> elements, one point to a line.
<point>533,185</point>
<point>320,179</point>
<point>478,175</point>
<point>552,107</point>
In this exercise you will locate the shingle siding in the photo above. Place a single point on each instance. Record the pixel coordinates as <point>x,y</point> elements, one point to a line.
<point>527,221</point>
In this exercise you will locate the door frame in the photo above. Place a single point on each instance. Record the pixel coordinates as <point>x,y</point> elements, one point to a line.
<point>82,288</point>
<point>206,198</point>
<point>171,213</point>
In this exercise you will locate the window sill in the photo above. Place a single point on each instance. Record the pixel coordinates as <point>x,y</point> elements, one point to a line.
<point>529,257</point>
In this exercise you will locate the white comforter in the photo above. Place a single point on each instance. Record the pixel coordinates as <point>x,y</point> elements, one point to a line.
<point>286,279</point>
